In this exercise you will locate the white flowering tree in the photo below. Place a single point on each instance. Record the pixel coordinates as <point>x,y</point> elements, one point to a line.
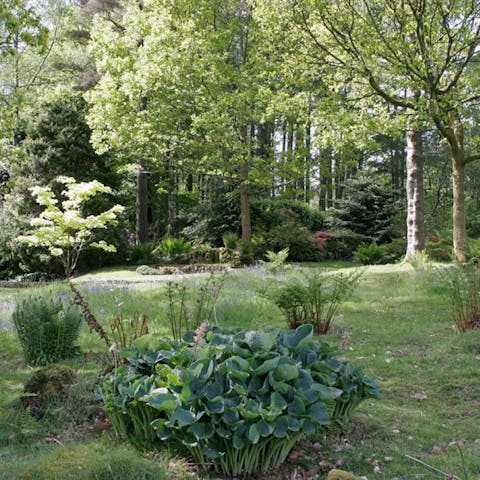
<point>62,227</point>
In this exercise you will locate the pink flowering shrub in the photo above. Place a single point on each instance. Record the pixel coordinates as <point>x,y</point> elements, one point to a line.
<point>321,239</point>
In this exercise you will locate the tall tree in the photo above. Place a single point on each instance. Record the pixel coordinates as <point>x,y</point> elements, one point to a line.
<point>183,84</point>
<point>423,46</point>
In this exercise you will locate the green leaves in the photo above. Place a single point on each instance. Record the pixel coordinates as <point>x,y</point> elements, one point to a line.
<point>63,230</point>
<point>251,389</point>
<point>293,338</point>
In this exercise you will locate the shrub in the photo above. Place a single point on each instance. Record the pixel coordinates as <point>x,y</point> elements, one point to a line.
<point>463,284</point>
<point>316,300</point>
<point>299,241</point>
<point>341,244</point>
<point>142,254</point>
<point>439,247</point>
<point>171,247</point>
<point>238,402</point>
<point>268,213</point>
<point>47,328</point>
<point>277,261</point>
<point>321,239</point>
<point>230,240</point>
<point>395,250</point>
<point>372,254</point>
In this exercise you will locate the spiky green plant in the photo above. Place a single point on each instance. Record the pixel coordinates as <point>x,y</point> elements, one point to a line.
<point>48,328</point>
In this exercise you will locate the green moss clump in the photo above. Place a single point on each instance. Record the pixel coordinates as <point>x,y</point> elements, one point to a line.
<point>46,387</point>
<point>340,475</point>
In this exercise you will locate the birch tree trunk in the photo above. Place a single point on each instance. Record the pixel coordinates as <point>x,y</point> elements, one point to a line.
<point>415,195</point>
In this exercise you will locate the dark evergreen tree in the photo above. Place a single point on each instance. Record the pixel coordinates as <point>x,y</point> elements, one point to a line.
<point>57,142</point>
<point>368,209</point>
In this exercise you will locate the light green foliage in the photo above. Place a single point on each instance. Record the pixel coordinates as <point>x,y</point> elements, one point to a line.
<point>239,402</point>
<point>63,230</point>
<point>20,28</point>
<point>316,300</point>
<point>171,247</point>
<point>277,261</point>
<point>420,261</point>
<point>47,328</point>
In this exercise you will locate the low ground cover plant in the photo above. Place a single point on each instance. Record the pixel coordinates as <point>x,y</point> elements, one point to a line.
<point>48,328</point>
<point>237,401</point>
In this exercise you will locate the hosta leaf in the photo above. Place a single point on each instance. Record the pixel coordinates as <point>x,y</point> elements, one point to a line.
<point>230,416</point>
<point>267,366</point>
<point>259,341</point>
<point>239,389</point>
<point>293,424</point>
<point>251,410</point>
<point>217,405</point>
<point>280,429</point>
<point>318,412</point>
<point>202,430</point>
<point>281,387</point>
<point>238,363</point>
<point>264,428</point>
<point>308,427</point>
<point>212,451</point>
<point>239,437</point>
<point>326,393</point>
<point>253,433</point>
<point>305,380</point>
<point>223,431</point>
<point>277,401</point>
<point>161,399</point>
<point>293,338</point>
<point>286,372</point>
<point>182,417</point>
<point>213,390</point>
<point>296,407</point>
<point>311,395</point>
<point>163,432</point>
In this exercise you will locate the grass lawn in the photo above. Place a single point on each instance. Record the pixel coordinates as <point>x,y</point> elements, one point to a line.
<point>398,325</point>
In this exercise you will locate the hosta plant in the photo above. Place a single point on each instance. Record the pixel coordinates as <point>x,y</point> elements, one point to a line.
<point>237,401</point>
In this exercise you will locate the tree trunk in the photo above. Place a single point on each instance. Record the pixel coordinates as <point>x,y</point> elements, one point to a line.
<point>171,200</point>
<point>141,207</point>
<point>415,195</point>
<point>245,203</point>
<point>460,245</point>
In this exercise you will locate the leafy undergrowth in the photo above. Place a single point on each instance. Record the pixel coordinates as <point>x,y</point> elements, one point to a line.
<point>398,325</point>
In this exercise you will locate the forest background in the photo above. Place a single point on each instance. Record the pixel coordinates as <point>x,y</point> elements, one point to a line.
<point>295,124</point>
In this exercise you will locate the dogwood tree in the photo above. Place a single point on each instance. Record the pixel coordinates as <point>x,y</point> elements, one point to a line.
<point>62,228</point>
